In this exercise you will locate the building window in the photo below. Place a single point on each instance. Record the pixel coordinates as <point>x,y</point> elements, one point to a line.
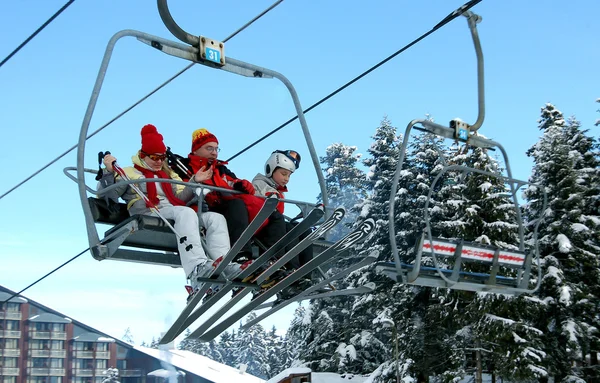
<point>57,345</point>
<point>83,380</point>
<point>101,363</point>
<point>10,325</point>
<point>42,326</point>
<point>56,363</point>
<point>9,379</point>
<point>44,379</point>
<point>101,346</point>
<point>9,344</point>
<point>38,362</point>
<point>83,346</point>
<point>58,327</point>
<point>83,364</point>
<point>39,344</point>
<point>8,362</point>
<point>122,364</point>
<point>13,307</point>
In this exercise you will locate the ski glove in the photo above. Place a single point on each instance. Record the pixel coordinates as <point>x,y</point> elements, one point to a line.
<point>244,186</point>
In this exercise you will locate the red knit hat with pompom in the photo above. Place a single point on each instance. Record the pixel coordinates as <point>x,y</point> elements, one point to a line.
<point>152,141</point>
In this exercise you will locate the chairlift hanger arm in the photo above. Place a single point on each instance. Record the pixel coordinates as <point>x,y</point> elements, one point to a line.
<point>173,27</point>
<point>247,70</point>
<point>473,20</point>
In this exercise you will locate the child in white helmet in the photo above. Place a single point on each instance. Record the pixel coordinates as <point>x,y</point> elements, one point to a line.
<point>278,170</point>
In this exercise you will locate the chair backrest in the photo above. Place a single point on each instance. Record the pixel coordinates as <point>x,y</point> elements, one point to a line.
<point>102,214</point>
<point>474,252</point>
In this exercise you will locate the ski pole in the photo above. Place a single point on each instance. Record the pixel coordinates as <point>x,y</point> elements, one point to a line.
<point>178,162</point>
<point>150,204</point>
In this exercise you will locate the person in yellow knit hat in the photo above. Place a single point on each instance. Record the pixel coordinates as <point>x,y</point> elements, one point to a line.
<point>170,201</point>
<point>238,209</point>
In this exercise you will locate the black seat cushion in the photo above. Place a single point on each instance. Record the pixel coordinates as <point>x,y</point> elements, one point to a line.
<point>102,214</point>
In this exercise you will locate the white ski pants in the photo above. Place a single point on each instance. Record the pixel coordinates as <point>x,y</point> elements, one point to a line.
<point>186,225</point>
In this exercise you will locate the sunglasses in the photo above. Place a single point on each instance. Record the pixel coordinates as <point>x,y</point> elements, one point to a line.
<point>156,157</point>
<point>293,155</point>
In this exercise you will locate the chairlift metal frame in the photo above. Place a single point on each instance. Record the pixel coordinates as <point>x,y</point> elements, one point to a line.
<point>200,50</point>
<point>463,132</point>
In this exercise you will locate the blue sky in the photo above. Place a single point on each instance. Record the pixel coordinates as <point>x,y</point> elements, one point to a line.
<point>535,52</point>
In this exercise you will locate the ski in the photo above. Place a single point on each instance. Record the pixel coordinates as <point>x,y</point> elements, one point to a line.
<point>356,236</point>
<point>325,293</point>
<point>367,288</point>
<point>315,292</point>
<point>312,218</point>
<point>329,223</point>
<point>177,327</point>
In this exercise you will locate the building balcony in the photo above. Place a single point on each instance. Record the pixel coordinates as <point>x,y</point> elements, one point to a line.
<point>83,354</point>
<point>130,373</point>
<point>83,372</point>
<point>10,315</point>
<point>10,352</point>
<point>57,335</point>
<point>9,371</point>
<point>10,334</point>
<point>36,371</point>
<point>47,353</point>
<point>39,334</point>
<point>102,354</point>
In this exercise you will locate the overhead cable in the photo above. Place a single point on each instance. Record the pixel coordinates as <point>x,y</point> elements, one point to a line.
<point>135,104</point>
<point>54,16</point>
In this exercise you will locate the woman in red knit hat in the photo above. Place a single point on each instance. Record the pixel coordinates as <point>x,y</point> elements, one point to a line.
<point>171,199</point>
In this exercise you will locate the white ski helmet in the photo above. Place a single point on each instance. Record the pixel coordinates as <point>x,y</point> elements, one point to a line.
<point>286,159</point>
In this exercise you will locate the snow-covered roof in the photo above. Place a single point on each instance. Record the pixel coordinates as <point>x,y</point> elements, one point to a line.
<point>330,377</point>
<point>287,372</point>
<point>319,377</point>
<point>49,318</point>
<point>92,337</point>
<point>162,373</point>
<point>200,365</point>
<point>4,296</point>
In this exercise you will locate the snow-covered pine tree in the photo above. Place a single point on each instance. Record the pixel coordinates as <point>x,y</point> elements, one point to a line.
<point>598,120</point>
<point>250,348</point>
<point>297,335</point>
<point>127,336</point>
<point>381,162</point>
<point>276,353</point>
<point>328,318</point>
<point>155,342</point>
<point>225,346</point>
<point>564,163</point>
<point>341,337</point>
<point>186,343</point>
<point>215,352</point>
<point>345,184</point>
<point>207,349</point>
<point>111,375</point>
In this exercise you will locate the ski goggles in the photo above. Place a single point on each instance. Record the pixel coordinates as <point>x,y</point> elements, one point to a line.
<point>155,157</point>
<point>293,155</point>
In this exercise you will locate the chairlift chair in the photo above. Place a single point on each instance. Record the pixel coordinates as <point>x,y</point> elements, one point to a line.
<point>506,270</point>
<point>147,239</point>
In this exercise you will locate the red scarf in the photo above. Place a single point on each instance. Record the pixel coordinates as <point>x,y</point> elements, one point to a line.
<point>151,188</point>
<point>198,163</point>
